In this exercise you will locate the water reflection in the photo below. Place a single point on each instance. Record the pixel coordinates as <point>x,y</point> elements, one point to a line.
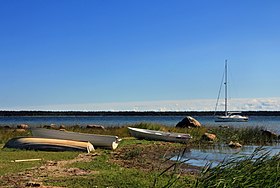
<point>217,154</point>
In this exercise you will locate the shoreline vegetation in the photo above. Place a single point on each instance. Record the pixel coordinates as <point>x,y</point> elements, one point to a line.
<point>131,113</point>
<point>141,163</point>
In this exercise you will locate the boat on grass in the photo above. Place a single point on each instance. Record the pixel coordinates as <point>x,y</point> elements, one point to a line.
<point>228,116</point>
<point>159,135</point>
<point>104,141</point>
<point>47,144</point>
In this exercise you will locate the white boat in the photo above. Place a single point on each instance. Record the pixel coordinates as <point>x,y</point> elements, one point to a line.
<point>159,135</point>
<point>48,144</point>
<point>105,141</point>
<point>229,116</point>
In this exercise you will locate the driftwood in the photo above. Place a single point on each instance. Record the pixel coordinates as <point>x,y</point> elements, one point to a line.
<point>25,160</point>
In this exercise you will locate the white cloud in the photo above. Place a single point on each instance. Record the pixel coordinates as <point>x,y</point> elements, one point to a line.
<point>242,104</point>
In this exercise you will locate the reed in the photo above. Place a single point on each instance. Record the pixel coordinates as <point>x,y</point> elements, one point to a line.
<point>247,135</point>
<point>256,170</point>
<point>8,133</point>
<point>118,131</point>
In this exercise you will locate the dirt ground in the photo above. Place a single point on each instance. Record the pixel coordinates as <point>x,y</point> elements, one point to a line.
<point>152,157</point>
<point>35,176</point>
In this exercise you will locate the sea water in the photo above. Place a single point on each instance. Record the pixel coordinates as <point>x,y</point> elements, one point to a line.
<point>267,122</point>
<point>215,155</point>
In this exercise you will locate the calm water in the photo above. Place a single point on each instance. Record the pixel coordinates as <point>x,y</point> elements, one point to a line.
<point>218,154</point>
<point>270,122</point>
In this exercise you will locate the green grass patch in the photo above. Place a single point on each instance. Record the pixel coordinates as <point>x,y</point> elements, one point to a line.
<point>106,174</point>
<point>98,163</point>
<point>9,155</point>
<point>117,131</point>
<point>246,135</point>
<point>8,133</point>
<point>133,153</point>
<point>125,178</point>
<point>133,141</point>
<point>151,126</point>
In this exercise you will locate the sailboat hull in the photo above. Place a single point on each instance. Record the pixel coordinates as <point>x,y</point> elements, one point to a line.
<point>231,118</point>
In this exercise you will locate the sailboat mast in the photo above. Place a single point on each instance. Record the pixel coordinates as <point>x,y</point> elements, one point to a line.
<point>226,88</point>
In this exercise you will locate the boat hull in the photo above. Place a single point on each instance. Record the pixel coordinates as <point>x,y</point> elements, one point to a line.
<point>159,135</point>
<point>105,141</point>
<point>231,118</point>
<point>48,144</point>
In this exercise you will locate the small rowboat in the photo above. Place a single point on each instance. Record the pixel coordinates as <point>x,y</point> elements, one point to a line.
<point>105,141</point>
<point>47,144</point>
<point>159,135</point>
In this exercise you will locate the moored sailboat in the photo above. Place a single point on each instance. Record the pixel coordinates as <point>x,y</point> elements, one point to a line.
<point>229,116</point>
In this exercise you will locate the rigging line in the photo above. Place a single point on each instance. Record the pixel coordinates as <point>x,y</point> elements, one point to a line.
<point>219,93</point>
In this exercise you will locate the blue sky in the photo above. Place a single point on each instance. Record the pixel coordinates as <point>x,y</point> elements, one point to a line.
<point>63,52</point>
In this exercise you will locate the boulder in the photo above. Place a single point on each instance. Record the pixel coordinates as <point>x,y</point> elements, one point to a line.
<point>188,122</point>
<point>22,126</point>
<point>234,144</point>
<point>95,127</point>
<point>51,126</point>
<point>19,130</point>
<point>209,137</point>
<point>269,134</point>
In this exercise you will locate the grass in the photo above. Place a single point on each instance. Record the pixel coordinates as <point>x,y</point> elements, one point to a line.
<point>8,133</point>
<point>256,170</point>
<point>108,174</point>
<point>246,136</point>
<point>120,178</point>
<point>118,131</point>
<point>252,171</point>
<point>9,155</point>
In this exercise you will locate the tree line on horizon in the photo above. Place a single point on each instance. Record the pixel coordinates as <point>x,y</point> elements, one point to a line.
<point>130,113</point>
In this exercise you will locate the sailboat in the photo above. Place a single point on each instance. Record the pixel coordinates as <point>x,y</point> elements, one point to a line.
<point>229,116</point>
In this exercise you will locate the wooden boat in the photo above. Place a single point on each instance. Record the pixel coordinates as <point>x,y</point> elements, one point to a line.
<point>105,141</point>
<point>159,135</point>
<point>48,144</point>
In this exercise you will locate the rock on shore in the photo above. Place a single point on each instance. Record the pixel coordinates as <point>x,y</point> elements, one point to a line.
<point>188,122</point>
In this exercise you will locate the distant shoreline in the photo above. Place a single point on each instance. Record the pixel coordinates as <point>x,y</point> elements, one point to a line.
<point>129,113</point>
